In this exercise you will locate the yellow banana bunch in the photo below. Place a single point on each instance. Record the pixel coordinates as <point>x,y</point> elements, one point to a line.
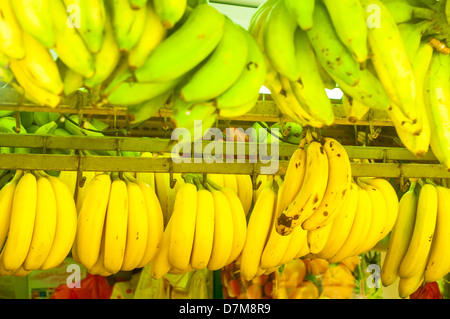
<point>37,232</point>
<point>207,229</point>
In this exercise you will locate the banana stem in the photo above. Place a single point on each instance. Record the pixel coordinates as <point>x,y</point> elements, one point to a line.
<point>129,178</point>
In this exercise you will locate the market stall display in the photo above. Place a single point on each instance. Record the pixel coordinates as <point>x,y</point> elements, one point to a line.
<point>137,137</point>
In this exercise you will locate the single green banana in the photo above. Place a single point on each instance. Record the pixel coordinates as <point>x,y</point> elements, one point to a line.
<point>279,32</point>
<point>11,42</point>
<point>185,48</point>
<point>70,46</point>
<point>120,74</point>
<point>303,11</point>
<point>41,118</point>
<point>239,110</point>
<point>194,117</point>
<point>92,22</point>
<point>26,118</point>
<point>130,93</point>
<point>35,19</point>
<point>32,128</point>
<point>221,70</point>
<point>402,11</point>
<point>154,34</point>
<point>128,24</point>
<point>310,87</point>
<point>47,129</point>
<point>411,34</point>
<point>389,57</point>
<point>107,58</point>
<point>437,101</point>
<point>250,81</point>
<point>8,124</point>
<point>170,11</point>
<point>143,111</point>
<point>7,113</point>
<point>333,55</point>
<point>350,24</point>
<point>368,90</point>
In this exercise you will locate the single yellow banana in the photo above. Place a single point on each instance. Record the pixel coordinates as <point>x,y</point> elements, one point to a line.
<point>170,11</point>
<point>317,238</point>
<point>32,91</point>
<point>400,236</point>
<point>438,262</point>
<point>223,231</point>
<point>342,224</point>
<point>258,230</point>
<point>354,110</point>
<point>239,224</point>
<point>338,186</point>
<point>44,225</point>
<point>407,286</point>
<point>155,223</point>
<point>66,224</point>
<point>35,19</point>
<point>81,188</point>
<point>137,227</point>
<point>379,216</point>
<point>229,181</point>
<point>391,198</point>
<point>116,222</point>
<point>298,246</point>
<point>204,229</point>
<point>11,32</point>
<point>166,194</point>
<point>359,230</point>
<point>245,191</point>
<point>183,226</point>
<point>311,193</point>
<point>22,221</point>
<point>423,232</point>
<point>91,219</point>
<point>6,200</point>
<point>70,179</point>
<point>154,33</point>
<point>160,264</point>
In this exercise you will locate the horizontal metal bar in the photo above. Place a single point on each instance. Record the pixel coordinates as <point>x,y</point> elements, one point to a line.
<point>156,145</point>
<point>264,110</point>
<point>165,165</point>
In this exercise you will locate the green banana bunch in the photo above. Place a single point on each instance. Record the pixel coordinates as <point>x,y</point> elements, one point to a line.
<point>332,54</point>
<point>185,48</point>
<point>128,23</point>
<point>47,129</point>
<point>221,69</point>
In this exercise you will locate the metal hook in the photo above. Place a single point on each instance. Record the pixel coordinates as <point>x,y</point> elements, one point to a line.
<point>172,180</point>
